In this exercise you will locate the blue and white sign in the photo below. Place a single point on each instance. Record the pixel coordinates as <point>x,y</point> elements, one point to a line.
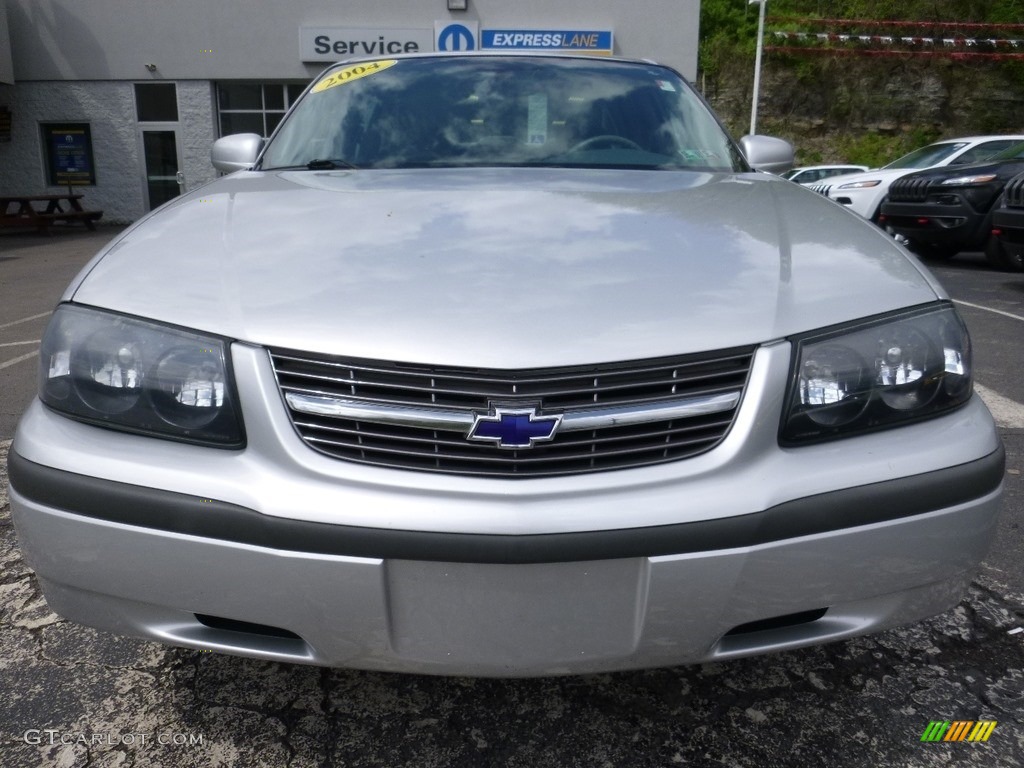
<point>456,36</point>
<point>567,40</point>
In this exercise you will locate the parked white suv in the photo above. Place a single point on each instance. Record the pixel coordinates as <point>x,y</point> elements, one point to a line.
<point>864,192</point>
<point>811,174</point>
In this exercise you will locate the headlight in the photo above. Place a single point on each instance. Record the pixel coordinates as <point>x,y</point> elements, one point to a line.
<point>877,374</point>
<point>139,376</point>
<point>966,181</point>
<point>860,184</point>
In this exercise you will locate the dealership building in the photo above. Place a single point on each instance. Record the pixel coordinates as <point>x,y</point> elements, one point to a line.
<point>122,100</point>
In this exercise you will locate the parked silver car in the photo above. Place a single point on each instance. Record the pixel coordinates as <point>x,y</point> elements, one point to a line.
<point>503,365</point>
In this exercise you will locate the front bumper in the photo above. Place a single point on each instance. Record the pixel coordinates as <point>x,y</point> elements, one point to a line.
<point>863,201</point>
<point>280,553</point>
<point>952,226</point>
<point>1009,222</point>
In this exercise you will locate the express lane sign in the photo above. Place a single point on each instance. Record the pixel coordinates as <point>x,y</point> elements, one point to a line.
<point>567,40</point>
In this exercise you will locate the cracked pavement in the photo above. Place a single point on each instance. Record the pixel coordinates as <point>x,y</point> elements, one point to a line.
<point>76,697</point>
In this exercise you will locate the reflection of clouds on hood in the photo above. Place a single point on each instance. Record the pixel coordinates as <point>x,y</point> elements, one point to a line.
<point>468,237</point>
<point>505,267</point>
<point>530,225</point>
<point>490,214</point>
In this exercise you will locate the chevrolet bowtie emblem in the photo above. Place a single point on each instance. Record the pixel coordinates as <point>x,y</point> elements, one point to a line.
<point>514,428</point>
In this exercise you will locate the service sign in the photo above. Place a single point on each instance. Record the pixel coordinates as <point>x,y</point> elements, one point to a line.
<point>561,40</point>
<point>331,44</point>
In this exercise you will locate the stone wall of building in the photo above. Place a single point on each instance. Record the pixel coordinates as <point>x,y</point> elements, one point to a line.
<point>197,131</point>
<point>108,107</point>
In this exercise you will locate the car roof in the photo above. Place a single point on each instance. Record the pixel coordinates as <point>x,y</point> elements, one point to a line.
<point>492,53</point>
<point>978,139</point>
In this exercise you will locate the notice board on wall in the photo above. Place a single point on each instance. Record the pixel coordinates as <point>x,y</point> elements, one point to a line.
<point>69,154</point>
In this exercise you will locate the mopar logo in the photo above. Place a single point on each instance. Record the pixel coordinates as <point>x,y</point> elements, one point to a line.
<point>456,37</point>
<point>514,428</point>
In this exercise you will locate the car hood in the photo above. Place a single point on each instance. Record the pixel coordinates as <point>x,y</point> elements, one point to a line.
<point>886,177</point>
<point>502,268</point>
<point>1004,170</point>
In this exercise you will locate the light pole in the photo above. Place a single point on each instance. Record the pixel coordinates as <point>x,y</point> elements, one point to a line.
<point>757,63</point>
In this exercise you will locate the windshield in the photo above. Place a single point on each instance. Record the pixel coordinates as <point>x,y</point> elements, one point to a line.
<point>505,111</point>
<point>926,157</point>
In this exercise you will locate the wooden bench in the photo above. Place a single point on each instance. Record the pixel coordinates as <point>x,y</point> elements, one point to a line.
<point>40,211</point>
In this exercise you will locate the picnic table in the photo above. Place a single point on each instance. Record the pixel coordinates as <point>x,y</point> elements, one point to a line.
<point>40,211</point>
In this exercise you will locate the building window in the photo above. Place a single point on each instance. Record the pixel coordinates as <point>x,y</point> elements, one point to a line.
<point>69,154</point>
<point>156,102</point>
<point>254,107</point>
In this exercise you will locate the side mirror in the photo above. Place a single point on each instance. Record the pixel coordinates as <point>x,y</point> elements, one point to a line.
<point>766,153</point>
<point>236,152</point>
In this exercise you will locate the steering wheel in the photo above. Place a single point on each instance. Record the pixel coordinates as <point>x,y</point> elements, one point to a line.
<point>609,139</point>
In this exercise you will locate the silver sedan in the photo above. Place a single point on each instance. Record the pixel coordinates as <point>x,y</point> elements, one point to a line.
<point>509,366</point>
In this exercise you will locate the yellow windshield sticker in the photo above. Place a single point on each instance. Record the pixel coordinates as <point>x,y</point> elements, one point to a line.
<point>348,74</point>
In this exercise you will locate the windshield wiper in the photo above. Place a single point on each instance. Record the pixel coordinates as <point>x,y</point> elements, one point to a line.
<point>313,165</point>
<point>324,164</point>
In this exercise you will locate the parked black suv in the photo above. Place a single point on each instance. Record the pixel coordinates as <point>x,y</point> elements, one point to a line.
<point>1008,224</point>
<point>942,211</point>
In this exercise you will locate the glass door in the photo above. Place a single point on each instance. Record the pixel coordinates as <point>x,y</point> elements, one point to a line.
<point>156,108</point>
<point>164,180</point>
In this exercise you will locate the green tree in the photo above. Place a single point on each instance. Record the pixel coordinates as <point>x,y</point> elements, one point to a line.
<point>727,28</point>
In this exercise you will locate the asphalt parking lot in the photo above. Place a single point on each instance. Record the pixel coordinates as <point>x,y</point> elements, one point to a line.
<point>77,697</point>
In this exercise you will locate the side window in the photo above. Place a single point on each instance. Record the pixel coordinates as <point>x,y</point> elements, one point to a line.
<point>982,152</point>
<point>985,151</point>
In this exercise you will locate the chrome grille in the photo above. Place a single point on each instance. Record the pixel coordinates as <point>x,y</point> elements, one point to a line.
<point>821,189</point>
<point>909,190</point>
<point>1013,193</point>
<point>387,413</point>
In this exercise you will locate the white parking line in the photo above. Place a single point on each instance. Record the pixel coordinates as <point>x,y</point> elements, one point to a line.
<point>989,309</point>
<point>16,360</point>
<point>1007,413</point>
<point>18,343</point>
<point>25,319</point>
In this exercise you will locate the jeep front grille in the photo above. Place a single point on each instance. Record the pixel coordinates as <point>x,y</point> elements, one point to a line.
<point>909,190</point>
<point>1013,193</point>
